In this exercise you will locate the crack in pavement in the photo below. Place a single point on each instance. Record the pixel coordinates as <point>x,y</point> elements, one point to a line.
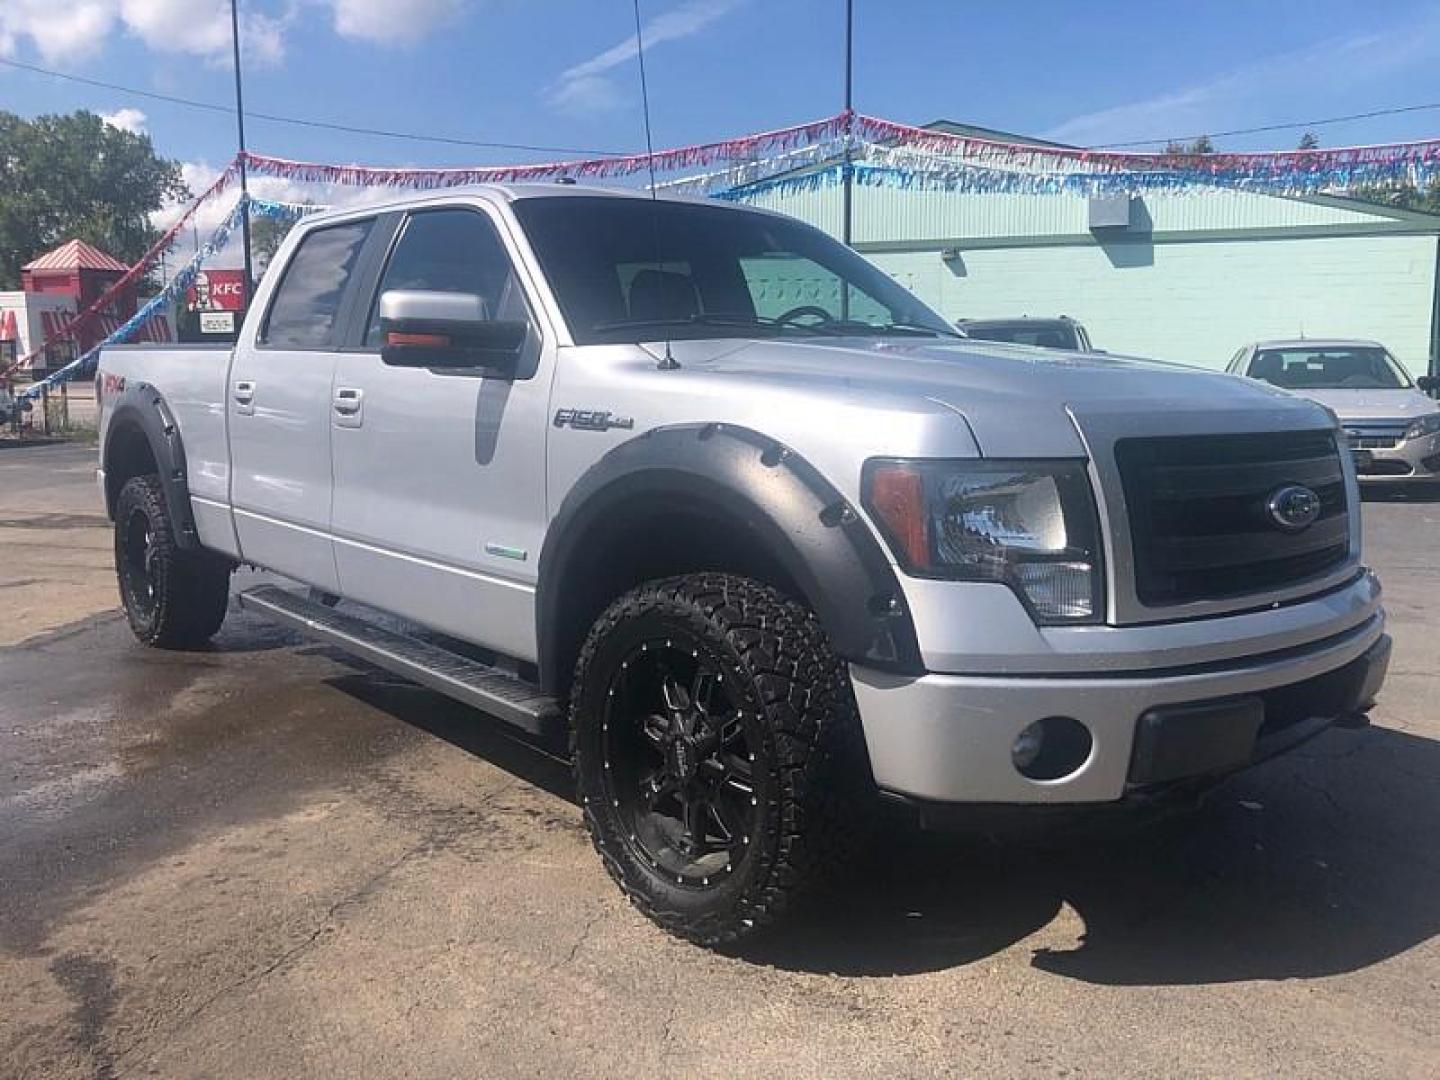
<point>590,925</point>
<point>357,895</point>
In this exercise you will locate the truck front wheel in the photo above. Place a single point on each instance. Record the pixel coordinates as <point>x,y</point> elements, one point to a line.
<point>716,749</point>
<point>173,598</point>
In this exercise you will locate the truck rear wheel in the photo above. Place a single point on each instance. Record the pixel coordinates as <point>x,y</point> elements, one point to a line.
<point>173,598</point>
<point>716,749</point>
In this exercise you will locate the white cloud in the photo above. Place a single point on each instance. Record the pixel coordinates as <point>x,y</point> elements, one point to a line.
<point>67,32</point>
<point>202,27</point>
<point>126,119</point>
<point>199,175</point>
<point>1244,95</point>
<point>390,21</point>
<point>586,85</point>
<point>60,32</point>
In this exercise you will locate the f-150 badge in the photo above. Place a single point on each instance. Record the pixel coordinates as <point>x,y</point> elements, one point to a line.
<point>591,419</point>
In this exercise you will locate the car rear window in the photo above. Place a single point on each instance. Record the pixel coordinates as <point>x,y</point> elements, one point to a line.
<point>1051,336</point>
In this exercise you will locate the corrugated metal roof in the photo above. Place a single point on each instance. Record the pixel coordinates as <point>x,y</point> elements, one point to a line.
<point>76,255</point>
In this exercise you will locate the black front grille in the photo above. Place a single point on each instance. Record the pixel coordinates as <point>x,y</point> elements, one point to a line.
<point>1199,525</point>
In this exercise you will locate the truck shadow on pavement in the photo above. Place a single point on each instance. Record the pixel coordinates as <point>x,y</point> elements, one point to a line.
<point>1322,862</point>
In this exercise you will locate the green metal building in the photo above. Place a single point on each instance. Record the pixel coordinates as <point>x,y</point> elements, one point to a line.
<point>1184,277</point>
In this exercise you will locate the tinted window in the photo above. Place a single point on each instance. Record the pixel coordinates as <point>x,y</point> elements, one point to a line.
<point>634,270</point>
<point>1041,335</point>
<point>452,251</point>
<point>1346,368</point>
<point>302,314</point>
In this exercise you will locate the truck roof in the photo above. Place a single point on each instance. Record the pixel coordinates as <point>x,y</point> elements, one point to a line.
<point>518,191</point>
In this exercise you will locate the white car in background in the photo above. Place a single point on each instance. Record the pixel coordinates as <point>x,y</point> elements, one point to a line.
<point>1392,425</point>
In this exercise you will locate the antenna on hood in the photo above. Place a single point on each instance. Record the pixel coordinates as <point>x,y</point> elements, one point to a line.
<point>668,362</point>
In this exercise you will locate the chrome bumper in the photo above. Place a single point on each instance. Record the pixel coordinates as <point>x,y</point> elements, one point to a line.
<point>1411,459</point>
<point>948,738</point>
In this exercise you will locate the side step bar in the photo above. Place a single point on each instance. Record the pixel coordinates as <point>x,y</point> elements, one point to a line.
<point>489,689</point>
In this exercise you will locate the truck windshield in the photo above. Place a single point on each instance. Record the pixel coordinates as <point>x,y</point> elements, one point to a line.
<point>1345,368</point>
<point>632,270</point>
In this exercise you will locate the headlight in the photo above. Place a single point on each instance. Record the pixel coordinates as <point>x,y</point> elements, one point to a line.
<point>1029,524</point>
<point>1426,425</point>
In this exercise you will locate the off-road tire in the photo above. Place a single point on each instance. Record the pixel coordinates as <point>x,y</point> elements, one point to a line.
<point>810,772</point>
<point>173,598</point>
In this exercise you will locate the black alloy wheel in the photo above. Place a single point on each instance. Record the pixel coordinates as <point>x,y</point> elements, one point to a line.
<point>173,597</point>
<point>678,761</point>
<point>138,565</point>
<point>717,752</point>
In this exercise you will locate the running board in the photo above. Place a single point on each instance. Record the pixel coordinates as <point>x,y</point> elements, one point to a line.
<point>487,688</point>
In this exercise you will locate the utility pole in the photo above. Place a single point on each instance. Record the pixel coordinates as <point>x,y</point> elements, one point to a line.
<point>240,131</point>
<point>847,169</point>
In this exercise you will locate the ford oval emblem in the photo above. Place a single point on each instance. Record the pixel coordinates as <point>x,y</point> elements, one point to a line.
<point>1293,508</point>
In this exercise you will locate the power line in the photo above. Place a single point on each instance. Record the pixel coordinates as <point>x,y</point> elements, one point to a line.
<point>1273,127</point>
<point>299,121</point>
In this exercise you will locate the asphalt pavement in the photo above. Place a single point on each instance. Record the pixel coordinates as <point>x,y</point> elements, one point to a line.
<point>267,860</point>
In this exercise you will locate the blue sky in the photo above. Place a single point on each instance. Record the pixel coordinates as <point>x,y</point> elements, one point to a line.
<point>561,72</point>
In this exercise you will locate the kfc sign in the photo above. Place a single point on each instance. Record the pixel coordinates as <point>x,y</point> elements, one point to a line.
<point>217,290</point>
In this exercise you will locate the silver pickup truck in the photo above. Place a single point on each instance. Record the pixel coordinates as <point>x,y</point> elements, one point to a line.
<point>702,488</point>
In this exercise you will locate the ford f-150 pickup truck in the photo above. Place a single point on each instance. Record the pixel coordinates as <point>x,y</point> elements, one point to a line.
<point>703,488</point>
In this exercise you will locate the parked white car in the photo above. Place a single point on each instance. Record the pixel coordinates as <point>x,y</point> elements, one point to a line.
<point>1391,424</point>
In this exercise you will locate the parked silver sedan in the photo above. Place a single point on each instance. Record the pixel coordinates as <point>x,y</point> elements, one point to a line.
<point>1392,425</point>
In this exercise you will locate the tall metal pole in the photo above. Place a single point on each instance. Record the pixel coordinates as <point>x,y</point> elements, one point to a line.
<point>240,132</point>
<point>847,170</point>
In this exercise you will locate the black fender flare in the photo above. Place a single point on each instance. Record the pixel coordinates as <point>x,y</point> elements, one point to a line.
<point>140,407</point>
<point>748,480</point>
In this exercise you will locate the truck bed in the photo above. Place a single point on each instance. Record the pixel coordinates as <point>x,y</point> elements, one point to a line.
<point>194,381</point>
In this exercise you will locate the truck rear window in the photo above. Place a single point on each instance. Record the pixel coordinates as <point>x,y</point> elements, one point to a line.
<point>307,300</point>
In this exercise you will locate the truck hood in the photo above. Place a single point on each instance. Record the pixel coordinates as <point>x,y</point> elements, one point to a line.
<point>1017,401</point>
<point>1373,404</point>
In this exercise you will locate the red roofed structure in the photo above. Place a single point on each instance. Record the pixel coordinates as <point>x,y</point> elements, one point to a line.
<point>79,270</point>
<point>83,272</point>
<point>75,255</point>
<point>59,284</point>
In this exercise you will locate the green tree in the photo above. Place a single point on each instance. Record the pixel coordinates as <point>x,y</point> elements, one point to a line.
<point>69,176</point>
<point>1309,141</point>
<point>1202,145</point>
<point>1401,195</point>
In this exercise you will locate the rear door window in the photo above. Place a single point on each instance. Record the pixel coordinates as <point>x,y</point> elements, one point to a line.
<point>304,310</point>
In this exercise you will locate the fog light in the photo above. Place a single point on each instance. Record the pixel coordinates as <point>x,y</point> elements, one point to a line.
<point>1051,748</point>
<point>1027,747</point>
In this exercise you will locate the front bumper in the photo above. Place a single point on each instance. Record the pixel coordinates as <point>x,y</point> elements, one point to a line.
<point>1411,459</point>
<point>948,738</point>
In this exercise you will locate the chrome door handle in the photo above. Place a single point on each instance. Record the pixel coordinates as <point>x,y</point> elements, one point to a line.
<point>244,395</point>
<point>348,403</point>
<point>347,400</point>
